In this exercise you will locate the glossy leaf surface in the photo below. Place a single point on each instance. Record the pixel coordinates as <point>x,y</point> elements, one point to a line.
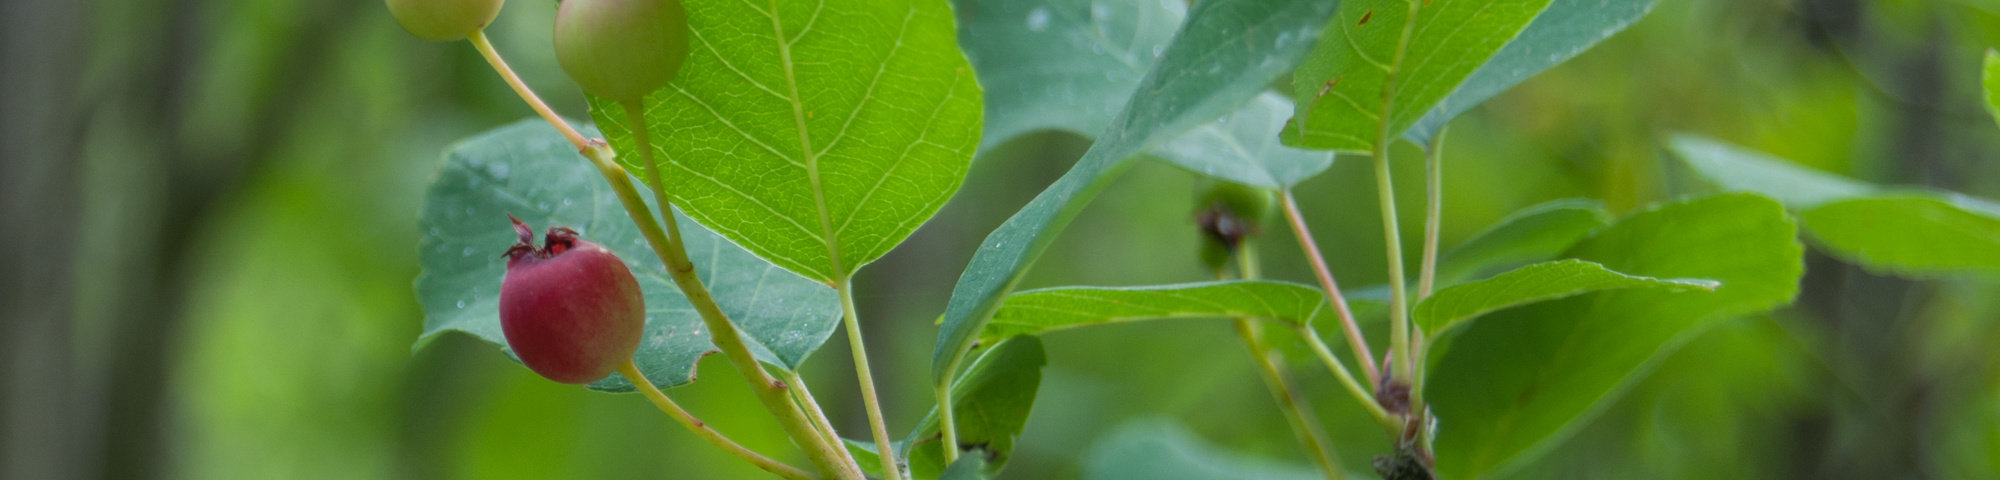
<point>800,128</point>
<point>1339,86</point>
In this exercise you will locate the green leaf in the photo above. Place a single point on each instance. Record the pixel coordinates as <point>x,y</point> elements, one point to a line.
<point>990,402</point>
<point>1037,311</point>
<point>865,455</point>
<point>968,467</point>
<point>1225,53</point>
<point>1533,234</point>
<point>1509,387</point>
<point>1243,147</point>
<point>1455,306</point>
<point>1909,235</point>
<point>1070,64</point>
<point>1908,232</point>
<point>1991,80</point>
<point>1565,29</point>
<point>1060,64</point>
<point>801,127</point>
<point>1448,41</point>
<point>1736,168</point>
<point>1159,449</point>
<point>529,170</point>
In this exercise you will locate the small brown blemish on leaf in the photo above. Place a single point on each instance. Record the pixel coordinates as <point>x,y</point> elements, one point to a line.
<point>1328,87</point>
<point>1365,16</point>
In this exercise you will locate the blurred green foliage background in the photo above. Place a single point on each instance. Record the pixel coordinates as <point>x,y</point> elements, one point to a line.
<point>211,210</point>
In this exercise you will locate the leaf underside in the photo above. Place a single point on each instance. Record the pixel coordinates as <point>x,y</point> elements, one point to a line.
<point>1224,54</point>
<point>1915,233</point>
<point>1061,64</point>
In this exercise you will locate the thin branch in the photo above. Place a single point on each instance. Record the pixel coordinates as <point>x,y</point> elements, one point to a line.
<point>702,430</point>
<point>890,467</point>
<point>773,393</point>
<point>478,38</point>
<point>1354,388</point>
<point>1354,339</point>
<point>1311,436</point>
<point>1434,214</point>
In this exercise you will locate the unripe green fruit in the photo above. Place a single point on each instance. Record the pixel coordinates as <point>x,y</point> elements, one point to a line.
<point>1249,203</point>
<point>621,49</point>
<point>1228,213</point>
<point>444,20</point>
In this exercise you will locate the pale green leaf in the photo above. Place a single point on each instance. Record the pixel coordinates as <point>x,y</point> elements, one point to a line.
<point>1455,306</point>
<point>1909,235</point>
<point>1339,86</point>
<point>1533,234</point>
<point>1565,29</point>
<point>802,127</point>
<point>1224,54</point>
<point>529,170</point>
<point>1037,311</point>
<point>1243,147</point>
<point>1159,449</point>
<point>1735,168</point>
<point>1061,64</point>
<point>1512,385</point>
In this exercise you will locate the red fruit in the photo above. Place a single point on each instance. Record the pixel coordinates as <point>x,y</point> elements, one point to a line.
<point>570,310</point>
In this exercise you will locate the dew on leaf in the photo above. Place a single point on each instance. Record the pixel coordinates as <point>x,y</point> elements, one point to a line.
<point>1038,19</point>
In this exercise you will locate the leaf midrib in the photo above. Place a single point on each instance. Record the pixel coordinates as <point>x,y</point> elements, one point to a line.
<point>829,234</point>
<point>805,142</point>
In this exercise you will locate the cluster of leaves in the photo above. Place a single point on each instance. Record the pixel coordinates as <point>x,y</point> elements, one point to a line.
<point>806,139</point>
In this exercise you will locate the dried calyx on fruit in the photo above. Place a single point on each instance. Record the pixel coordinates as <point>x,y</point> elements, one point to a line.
<point>444,20</point>
<point>621,49</point>
<point>570,310</point>
<point>1228,213</point>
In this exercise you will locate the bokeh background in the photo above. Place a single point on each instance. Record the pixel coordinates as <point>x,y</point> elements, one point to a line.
<point>210,208</point>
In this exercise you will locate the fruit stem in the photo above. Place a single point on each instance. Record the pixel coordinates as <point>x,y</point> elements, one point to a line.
<point>1427,275</point>
<point>810,405</point>
<point>1304,424</point>
<point>1433,215</point>
<point>668,247</point>
<point>947,426</point>
<point>1333,295</point>
<point>478,38</point>
<point>1399,307</point>
<point>1354,388</point>
<point>635,114</point>
<point>700,429</point>
<point>891,467</point>
<point>830,461</point>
